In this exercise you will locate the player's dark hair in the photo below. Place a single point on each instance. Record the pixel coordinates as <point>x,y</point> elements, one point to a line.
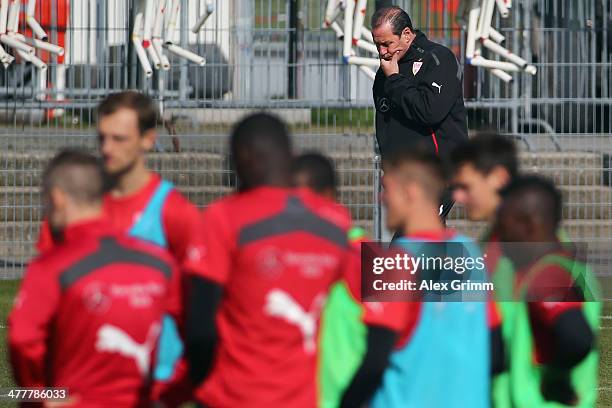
<point>432,176</point>
<point>318,169</point>
<point>78,173</point>
<point>132,100</point>
<point>486,152</point>
<point>395,16</point>
<point>261,151</point>
<point>538,196</point>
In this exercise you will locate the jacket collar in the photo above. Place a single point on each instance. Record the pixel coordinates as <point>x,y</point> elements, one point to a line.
<point>416,49</point>
<point>88,229</point>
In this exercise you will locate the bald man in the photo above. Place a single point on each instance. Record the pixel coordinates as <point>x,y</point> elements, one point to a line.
<point>552,355</point>
<point>418,91</point>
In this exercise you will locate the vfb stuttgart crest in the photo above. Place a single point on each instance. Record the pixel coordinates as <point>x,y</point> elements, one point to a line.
<point>416,66</point>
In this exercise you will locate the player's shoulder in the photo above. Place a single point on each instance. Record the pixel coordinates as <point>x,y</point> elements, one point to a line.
<point>145,248</point>
<point>550,279</point>
<point>441,55</point>
<point>59,257</point>
<point>325,208</point>
<point>222,207</point>
<point>45,263</point>
<point>454,236</point>
<point>465,241</point>
<point>549,275</point>
<point>178,203</point>
<point>555,264</point>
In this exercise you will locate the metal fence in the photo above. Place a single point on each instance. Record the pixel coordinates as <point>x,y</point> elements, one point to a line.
<point>272,54</point>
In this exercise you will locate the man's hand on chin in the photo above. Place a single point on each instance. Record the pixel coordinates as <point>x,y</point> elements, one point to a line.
<point>391,66</point>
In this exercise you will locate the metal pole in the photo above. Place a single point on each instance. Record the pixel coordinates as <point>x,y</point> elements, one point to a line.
<point>527,82</point>
<point>184,39</point>
<point>377,215</point>
<point>515,88</point>
<point>104,51</point>
<point>131,73</point>
<point>292,49</point>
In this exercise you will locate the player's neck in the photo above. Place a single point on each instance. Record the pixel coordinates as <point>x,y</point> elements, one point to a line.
<point>496,202</point>
<point>424,219</point>
<point>278,180</point>
<point>83,214</point>
<point>528,254</point>
<point>132,181</point>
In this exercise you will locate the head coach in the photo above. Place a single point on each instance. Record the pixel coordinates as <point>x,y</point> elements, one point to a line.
<point>417,90</point>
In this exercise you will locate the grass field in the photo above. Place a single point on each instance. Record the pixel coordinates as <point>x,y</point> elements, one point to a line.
<point>9,288</point>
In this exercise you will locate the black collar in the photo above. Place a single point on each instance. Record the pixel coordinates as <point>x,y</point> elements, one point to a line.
<point>416,49</point>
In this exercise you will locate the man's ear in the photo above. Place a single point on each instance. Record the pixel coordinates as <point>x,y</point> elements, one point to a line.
<point>406,33</point>
<point>148,139</point>
<point>500,177</point>
<point>411,191</point>
<point>57,198</point>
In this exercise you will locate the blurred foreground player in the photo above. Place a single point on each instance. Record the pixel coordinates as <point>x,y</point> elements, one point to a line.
<point>143,205</point>
<point>342,339</point>
<point>88,313</point>
<point>553,357</point>
<point>272,254</point>
<point>481,168</point>
<point>430,353</point>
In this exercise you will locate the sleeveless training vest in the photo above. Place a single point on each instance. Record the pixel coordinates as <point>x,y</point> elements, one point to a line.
<point>525,374</point>
<point>342,339</point>
<point>443,365</point>
<point>149,227</point>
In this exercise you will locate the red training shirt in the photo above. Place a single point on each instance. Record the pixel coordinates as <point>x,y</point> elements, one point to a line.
<point>553,282</point>
<point>87,316</point>
<point>276,251</point>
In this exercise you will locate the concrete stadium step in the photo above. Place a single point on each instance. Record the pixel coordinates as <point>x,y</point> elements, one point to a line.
<point>355,168</point>
<point>571,168</point>
<point>17,239</point>
<point>26,231</point>
<point>570,176</point>
<point>24,203</point>
<point>596,234</point>
<point>189,169</point>
<point>24,169</point>
<point>529,161</point>
<point>580,230</point>
<point>580,202</point>
<point>555,160</point>
<point>191,140</point>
